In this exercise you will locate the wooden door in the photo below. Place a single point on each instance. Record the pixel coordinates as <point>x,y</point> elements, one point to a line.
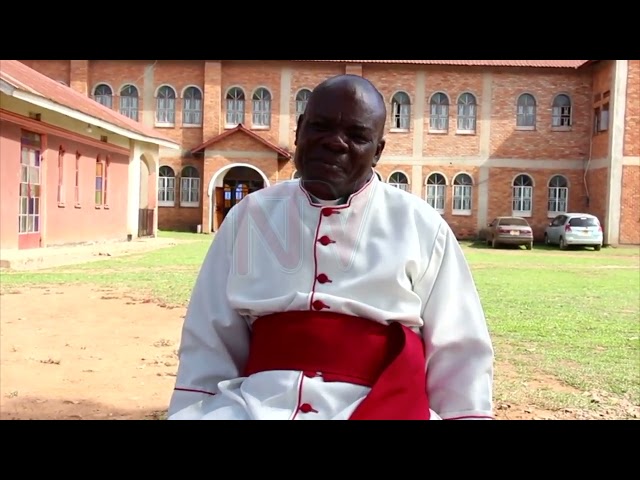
<point>219,209</point>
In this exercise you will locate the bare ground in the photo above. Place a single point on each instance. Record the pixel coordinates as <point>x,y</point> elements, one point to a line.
<point>81,352</point>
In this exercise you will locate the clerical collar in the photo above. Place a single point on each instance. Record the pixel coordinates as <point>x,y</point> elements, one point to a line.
<point>339,201</point>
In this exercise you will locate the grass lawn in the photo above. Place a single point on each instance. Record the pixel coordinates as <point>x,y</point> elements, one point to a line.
<point>565,324</point>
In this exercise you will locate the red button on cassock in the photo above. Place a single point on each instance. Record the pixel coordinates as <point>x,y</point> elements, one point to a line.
<point>306,408</point>
<point>329,211</point>
<point>324,240</point>
<point>319,305</point>
<point>322,278</point>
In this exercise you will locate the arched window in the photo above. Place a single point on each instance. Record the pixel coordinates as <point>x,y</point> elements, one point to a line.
<point>189,187</point>
<point>436,191</point>
<point>462,194</point>
<point>522,196</point>
<point>401,111</point>
<point>235,107</point>
<point>557,195</point>
<point>166,187</point>
<point>399,180</point>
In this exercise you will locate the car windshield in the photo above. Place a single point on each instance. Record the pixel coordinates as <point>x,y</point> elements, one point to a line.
<point>514,222</point>
<point>583,222</point>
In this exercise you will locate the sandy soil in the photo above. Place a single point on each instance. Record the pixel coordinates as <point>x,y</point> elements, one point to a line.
<point>71,352</point>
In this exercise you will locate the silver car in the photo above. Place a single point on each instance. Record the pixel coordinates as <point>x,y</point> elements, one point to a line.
<point>574,229</point>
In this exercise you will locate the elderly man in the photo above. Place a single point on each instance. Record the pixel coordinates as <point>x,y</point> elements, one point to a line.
<point>335,296</point>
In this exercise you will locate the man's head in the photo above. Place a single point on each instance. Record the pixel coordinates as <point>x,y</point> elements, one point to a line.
<point>340,136</point>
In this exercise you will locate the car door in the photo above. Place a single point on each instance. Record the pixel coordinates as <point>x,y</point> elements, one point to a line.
<point>556,228</point>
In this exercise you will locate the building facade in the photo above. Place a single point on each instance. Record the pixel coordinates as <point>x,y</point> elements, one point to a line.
<point>475,139</point>
<point>71,170</point>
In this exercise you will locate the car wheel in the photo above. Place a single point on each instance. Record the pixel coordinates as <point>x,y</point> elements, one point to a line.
<point>529,246</point>
<point>597,248</point>
<point>546,240</point>
<point>494,243</point>
<point>563,246</point>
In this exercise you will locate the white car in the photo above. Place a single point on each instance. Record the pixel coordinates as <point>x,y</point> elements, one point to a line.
<point>574,229</point>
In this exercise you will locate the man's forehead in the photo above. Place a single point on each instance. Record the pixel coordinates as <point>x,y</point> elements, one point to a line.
<point>356,108</point>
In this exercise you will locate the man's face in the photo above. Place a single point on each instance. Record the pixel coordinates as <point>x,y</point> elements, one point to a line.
<point>338,140</point>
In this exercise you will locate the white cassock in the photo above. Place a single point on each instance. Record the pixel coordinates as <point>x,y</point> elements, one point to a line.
<point>383,255</point>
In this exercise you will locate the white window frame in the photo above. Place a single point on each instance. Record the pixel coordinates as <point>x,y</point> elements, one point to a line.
<point>521,195</point>
<point>167,188</point>
<point>400,112</point>
<point>192,99</point>
<point>467,114</point>
<point>235,106</point>
<point>165,106</point>
<point>436,193</point>
<point>462,194</point>
<point>189,188</point>
<point>557,194</point>
<point>261,103</point>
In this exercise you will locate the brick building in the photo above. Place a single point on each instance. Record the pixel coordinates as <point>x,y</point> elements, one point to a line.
<point>476,139</point>
<point>71,170</point>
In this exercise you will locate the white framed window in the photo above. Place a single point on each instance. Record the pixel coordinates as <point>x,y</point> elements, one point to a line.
<point>302,98</point>
<point>522,196</point>
<point>462,194</point>
<point>166,106</point>
<point>189,187</point>
<point>166,187</point>
<point>400,112</point>
<point>261,108</point>
<point>436,191</point>
<point>103,94</point>
<point>467,113</point>
<point>439,113</point>
<point>235,107</point>
<point>557,195</point>
<point>526,112</point>
<point>399,180</point>
<point>192,107</point>
<point>561,111</point>
<point>129,101</point>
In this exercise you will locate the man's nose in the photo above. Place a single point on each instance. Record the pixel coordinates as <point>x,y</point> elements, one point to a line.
<point>336,143</point>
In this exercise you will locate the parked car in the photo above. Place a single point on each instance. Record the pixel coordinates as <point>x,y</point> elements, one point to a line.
<point>574,229</point>
<point>508,231</point>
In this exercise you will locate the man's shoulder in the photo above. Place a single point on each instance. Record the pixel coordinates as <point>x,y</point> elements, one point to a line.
<point>409,203</point>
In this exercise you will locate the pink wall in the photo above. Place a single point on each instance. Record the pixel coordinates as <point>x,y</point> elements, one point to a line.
<point>67,221</point>
<point>10,186</point>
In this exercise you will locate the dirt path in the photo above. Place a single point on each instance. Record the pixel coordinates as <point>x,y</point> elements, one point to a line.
<point>98,353</point>
<point>85,353</point>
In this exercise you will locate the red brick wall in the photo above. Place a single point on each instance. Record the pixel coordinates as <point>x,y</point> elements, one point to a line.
<point>602,82</point>
<point>505,140</point>
<point>500,194</point>
<point>632,111</point>
<point>598,181</point>
<point>59,70</point>
<point>630,210</point>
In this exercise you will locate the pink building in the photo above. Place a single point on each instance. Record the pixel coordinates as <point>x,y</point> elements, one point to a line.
<point>71,170</point>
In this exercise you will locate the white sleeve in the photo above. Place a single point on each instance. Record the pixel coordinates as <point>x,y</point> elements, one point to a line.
<point>215,339</point>
<point>458,346</point>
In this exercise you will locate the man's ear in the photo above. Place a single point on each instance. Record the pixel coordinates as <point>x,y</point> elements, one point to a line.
<point>379,150</point>
<point>295,141</point>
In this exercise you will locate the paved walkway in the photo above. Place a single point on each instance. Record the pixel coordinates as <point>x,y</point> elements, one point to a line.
<point>39,258</point>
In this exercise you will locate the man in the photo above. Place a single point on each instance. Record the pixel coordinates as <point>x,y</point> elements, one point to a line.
<point>335,296</point>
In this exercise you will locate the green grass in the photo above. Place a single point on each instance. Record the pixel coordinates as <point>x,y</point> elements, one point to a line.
<point>564,322</point>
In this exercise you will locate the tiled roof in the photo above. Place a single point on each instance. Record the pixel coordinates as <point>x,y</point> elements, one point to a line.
<point>473,63</point>
<point>23,78</point>
<point>245,130</point>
